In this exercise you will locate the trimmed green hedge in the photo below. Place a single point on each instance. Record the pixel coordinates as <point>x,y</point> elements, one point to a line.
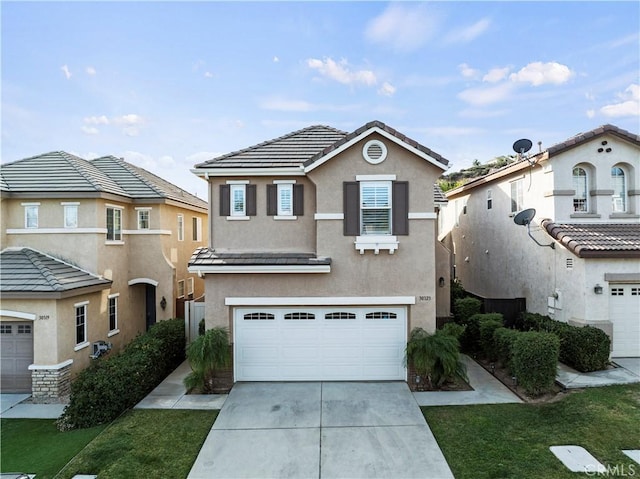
<point>582,348</point>
<point>535,360</point>
<point>503,339</point>
<point>464,308</point>
<point>110,386</point>
<point>487,325</point>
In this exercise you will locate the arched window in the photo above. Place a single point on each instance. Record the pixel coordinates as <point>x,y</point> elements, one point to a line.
<point>619,197</point>
<point>580,186</point>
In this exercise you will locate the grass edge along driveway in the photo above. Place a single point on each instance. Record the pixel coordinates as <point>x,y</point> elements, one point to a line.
<point>141,443</point>
<point>513,440</point>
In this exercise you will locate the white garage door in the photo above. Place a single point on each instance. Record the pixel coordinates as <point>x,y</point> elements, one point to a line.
<point>16,350</point>
<point>312,344</point>
<point>624,313</point>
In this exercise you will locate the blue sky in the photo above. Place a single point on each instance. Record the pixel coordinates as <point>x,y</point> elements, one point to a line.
<point>167,85</point>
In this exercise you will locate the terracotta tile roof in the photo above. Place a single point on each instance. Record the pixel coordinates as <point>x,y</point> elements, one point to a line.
<point>289,150</point>
<point>597,240</point>
<point>303,148</point>
<point>589,135</point>
<point>208,257</point>
<point>25,270</point>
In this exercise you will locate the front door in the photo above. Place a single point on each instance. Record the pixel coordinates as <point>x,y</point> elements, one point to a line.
<point>150,300</point>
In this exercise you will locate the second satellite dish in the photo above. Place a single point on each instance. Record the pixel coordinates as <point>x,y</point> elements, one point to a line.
<point>522,146</point>
<point>524,217</point>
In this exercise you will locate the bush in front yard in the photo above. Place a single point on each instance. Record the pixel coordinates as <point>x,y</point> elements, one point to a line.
<point>453,329</point>
<point>487,325</point>
<point>535,361</point>
<point>435,357</point>
<point>111,385</point>
<point>503,339</point>
<point>464,308</point>
<point>585,348</point>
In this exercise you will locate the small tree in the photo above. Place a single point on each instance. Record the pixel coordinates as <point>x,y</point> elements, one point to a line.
<point>435,357</point>
<point>207,354</point>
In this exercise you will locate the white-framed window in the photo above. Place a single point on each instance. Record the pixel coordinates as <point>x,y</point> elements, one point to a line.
<point>70,215</point>
<point>285,199</point>
<point>238,200</point>
<point>112,312</point>
<point>517,195</point>
<point>181,288</point>
<point>81,323</point>
<point>180,227</point>
<point>144,218</point>
<point>375,207</point>
<point>114,224</point>
<point>31,215</point>
<point>190,286</point>
<point>619,183</point>
<point>580,197</point>
<point>197,228</point>
<point>489,199</point>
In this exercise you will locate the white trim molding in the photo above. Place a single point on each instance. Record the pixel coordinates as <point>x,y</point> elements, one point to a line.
<point>237,182</point>
<point>255,171</point>
<point>150,281</point>
<point>80,346</point>
<point>284,182</point>
<point>255,269</point>
<point>22,231</point>
<point>321,301</point>
<point>423,216</point>
<point>63,364</point>
<point>280,217</point>
<point>328,216</point>
<point>146,232</point>
<point>238,218</point>
<point>17,314</point>
<point>376,243</point>
<point>376,177</point>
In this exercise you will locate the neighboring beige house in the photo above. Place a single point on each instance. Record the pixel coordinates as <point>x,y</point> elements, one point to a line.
<point>323,253</point>
<point>586,193</point>
<point>91,251</point>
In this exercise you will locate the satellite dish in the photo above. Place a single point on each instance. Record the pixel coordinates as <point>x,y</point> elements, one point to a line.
<point>522,146</point>
<point>524,217</point>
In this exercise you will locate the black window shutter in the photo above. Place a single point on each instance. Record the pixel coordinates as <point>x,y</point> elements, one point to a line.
<point>351,199</point>
<point>225,200</point>
<point>298,200</point>
<point>400,205</point>
<point>251,200</point>
<point>272,200</point>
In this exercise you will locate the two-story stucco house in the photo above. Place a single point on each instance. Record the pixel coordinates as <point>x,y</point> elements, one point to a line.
<point>91,251</point>
<point>323,253</point>
<point>585,269</point>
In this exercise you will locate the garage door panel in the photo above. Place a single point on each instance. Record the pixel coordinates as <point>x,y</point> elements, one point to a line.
<point>16,355</point>
<point>320,343</point>
<point>624,313</point>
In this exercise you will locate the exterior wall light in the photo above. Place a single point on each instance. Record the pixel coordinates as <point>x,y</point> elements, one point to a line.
<point>597,289</point>
<point>441,282</point>
<point>163,303</point>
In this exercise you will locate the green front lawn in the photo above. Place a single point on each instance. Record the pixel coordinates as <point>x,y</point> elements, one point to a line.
<point>145,443</point>
<point>513,440</point>
<point>36,446</point>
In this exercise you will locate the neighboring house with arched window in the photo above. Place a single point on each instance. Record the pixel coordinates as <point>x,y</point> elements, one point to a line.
<point>91,251</point>
<point>586,193</point>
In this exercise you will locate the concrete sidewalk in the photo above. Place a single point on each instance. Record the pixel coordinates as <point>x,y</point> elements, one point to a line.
<point>627,372</point>
<point>16,406</point>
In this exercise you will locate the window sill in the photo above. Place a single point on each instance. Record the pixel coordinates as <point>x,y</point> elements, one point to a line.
<point>80,346</point>
<point>623,216</point>
<point>279,217</point>
<point>112,242</point>
<point>238,218</point>
<point>112,333</point>
<point>584,215</point>
<point>376,243</point>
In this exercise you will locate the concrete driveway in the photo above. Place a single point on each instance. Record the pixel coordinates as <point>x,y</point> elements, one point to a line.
<point>320,430</point>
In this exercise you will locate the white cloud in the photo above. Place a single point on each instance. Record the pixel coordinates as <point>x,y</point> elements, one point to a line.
<point>97,120</point>
<point>403,27</point>
<point>89,130</point>
<point>482,96</point>
<point>387,89</point>
<point>90,71</point>
<point>495,75</point>
<point>538,73</point>
<point>130,119</point>
<point>468,34</point>
<point>276,59</point>
<point>628,106</point>
<point>341,71</point>
<point>131,131</point>
<point>591,113</point>
<point>66,71</point>
<point>467,71</point>
<point>208,75</point>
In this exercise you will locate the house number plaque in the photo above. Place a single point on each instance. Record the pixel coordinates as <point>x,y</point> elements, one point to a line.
<point>424,298</point>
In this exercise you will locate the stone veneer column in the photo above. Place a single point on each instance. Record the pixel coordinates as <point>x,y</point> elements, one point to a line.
<point>51,382</point>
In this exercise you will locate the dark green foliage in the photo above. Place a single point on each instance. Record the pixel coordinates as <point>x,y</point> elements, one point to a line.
<point>464,308</point>
<point>535,361</point>
<point>201,327</point>
<point>436,357</point>
<point>457,291</point>
<point>453,329</point>
<point>110,386</point>
<point>503,339</point>
<point>585,349</point>
<point>582,348</point>
<point>208,353</point>
<point>488,323</point>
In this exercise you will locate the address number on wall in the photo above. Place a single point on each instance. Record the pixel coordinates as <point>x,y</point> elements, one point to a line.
<point>424,298</point>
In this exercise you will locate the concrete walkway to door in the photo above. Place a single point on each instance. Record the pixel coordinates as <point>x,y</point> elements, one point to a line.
<point>323,430</point>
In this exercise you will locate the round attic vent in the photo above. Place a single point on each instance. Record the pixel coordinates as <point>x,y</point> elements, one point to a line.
<point>374,152</point>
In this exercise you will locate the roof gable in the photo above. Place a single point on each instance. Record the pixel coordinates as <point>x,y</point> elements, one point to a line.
<point>590,135</point>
